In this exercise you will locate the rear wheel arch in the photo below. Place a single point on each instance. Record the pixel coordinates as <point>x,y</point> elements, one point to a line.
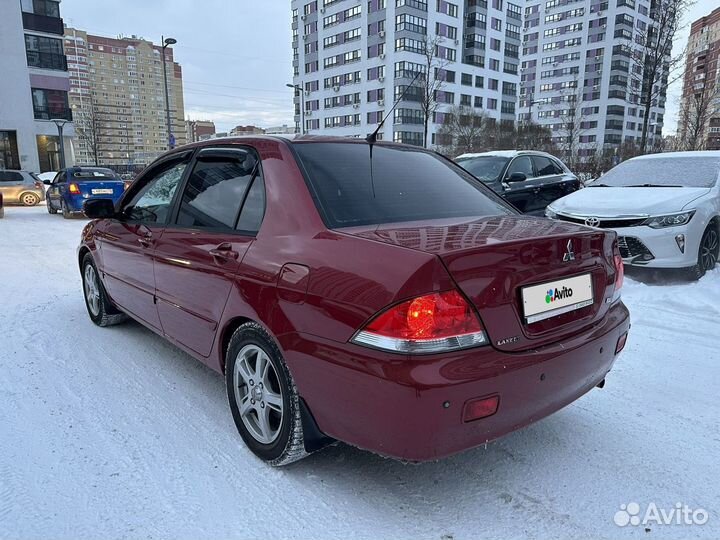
<point>81,256</point>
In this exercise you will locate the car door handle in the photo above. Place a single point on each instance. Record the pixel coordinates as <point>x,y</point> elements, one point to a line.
<point>224,251</point>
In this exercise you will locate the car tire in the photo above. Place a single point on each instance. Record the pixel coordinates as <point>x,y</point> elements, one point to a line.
<point>29,199</point>
<point>50,208</point>
<point>708,252</point>
<point>65,212</point>
<point>99,307</point>
<point>271,422</point>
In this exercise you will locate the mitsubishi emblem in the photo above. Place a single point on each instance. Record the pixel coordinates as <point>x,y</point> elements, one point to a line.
<point>570,254</point>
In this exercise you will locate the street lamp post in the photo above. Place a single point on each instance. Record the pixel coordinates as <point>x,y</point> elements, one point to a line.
<point>165,43</point>
<point>60,123</point>
<point>299,90</point>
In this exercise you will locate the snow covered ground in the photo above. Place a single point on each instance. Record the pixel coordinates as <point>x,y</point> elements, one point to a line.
<point>114,433</point>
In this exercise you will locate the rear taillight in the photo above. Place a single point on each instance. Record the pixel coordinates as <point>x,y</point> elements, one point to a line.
<point>74,189</point>
<point>619,276</point>
<point>39,185</point>
<point>431,323</point>
<point>126,184</point>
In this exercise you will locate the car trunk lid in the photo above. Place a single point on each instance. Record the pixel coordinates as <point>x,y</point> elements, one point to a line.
<point>97,188</point>
<point>493,259</point>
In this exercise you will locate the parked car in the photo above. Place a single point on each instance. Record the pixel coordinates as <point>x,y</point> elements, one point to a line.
<point>664,207</point>
<point>71,187</point>
<point>527,179</point>
<point>371,295</point>
<point>21,187</point>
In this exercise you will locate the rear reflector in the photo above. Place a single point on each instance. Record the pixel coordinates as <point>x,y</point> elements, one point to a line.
<point>431,323</point>
<point>619,276</point>
<point>475,409</point>
<point>621,343</point>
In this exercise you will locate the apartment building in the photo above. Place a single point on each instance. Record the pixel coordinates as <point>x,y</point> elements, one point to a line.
<point>353,58</point>
<point>34,87</point>
<point>699,126</point>
<point>199,130</point>
<point>578,75</point>
<point>118,98</point>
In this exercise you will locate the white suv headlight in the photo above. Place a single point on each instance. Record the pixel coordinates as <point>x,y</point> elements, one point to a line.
<point>550,213</point>
<point>669,220</point>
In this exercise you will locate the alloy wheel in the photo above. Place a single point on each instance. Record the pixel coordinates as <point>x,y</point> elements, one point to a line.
<point>709,249</point>
<point>92,290</point>
<point>258,394</point>
<point>29,199</point>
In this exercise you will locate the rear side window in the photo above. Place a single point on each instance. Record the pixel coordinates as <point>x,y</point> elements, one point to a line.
<point>10,176</point>
<point>215,191</point>
<point>546,166</point>
<point>402,184</point>
<point>254,208</point>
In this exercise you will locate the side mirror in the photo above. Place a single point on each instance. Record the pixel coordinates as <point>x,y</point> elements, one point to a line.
<point>99,208</point>
<point>47,182</point>
<point>516,177</point>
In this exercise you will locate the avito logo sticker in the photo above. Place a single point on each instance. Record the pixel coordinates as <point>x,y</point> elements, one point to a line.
<point>558,294</point>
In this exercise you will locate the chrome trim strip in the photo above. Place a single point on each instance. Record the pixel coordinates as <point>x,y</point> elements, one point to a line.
<point>419,346</point>
<point>614,218</point>
<point>559,311</point>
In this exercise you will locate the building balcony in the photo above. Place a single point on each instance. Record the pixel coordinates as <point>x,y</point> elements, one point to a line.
<point>45,60</point>
<point>43,23</point>
<point>50,113</point>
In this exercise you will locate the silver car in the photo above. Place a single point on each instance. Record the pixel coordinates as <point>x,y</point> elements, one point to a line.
<point>21,187</point>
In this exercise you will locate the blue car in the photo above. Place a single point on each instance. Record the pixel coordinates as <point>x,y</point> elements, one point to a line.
<point>71,187</point>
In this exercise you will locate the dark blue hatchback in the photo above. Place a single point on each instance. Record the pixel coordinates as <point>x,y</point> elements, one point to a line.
<point>71,187</point>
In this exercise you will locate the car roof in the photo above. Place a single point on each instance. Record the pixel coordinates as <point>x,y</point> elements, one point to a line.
<point>506,154</point>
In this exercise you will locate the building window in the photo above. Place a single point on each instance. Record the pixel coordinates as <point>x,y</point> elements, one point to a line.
<point>45,53</point>
<point>46,8</point>
<point>49,104</point>
<point>9,156</point>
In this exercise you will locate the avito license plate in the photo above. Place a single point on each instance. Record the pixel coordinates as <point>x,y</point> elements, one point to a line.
<point>556,297</point>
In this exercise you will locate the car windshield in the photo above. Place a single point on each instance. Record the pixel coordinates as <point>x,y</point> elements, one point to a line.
<point>486,168</point>
<point>95,174</point>
<point>697,172</point>
<point>403,185</point>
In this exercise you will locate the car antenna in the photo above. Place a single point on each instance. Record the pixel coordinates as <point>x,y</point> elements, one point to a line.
<point>372,138</point>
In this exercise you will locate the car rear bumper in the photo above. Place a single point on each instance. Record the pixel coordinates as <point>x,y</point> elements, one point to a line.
<point>412,408</point>
<point>75,202</point>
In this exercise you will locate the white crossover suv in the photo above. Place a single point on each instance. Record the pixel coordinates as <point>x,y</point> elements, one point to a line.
<point>664,207</point>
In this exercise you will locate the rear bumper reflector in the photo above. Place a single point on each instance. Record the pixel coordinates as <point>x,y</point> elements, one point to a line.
<point>478,408</point>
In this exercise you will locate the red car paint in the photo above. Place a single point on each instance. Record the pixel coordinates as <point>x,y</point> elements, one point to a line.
<point>313,288</point>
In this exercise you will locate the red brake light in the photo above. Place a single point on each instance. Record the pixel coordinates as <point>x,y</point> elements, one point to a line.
<point>430,323</point>
<point>74,189</point>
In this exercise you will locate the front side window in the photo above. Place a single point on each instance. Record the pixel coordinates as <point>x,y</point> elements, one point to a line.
<point>153,202</point>
<point>521,164</point>
<point>216,190</point>
<point>393,184</point>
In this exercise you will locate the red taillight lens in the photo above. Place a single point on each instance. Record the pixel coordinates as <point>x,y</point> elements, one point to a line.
<point>74,189</point>
<point>475,409</point>
<point>39,185</point>
<point>430,323</point>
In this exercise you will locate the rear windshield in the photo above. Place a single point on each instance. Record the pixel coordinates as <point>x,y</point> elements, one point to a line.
<point>402,185</point>
<point>663,171</point>
<point>95,174</point>
<point>486,168</point>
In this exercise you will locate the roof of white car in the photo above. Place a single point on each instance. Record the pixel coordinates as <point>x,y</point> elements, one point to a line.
<point>503,153</point>
<point>695,154</point>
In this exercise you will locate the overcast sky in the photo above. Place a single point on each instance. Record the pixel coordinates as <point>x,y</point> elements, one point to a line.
<point>236,54</point>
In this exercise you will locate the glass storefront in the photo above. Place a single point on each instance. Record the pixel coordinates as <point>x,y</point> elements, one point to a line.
<point>9,157</point>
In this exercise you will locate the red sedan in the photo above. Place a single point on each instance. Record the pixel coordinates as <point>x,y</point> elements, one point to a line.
<point>372,293</point>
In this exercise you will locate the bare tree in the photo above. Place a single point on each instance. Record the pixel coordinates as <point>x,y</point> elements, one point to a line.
<point>695,116</point>
<point>653,64</point>
<point>432,82</point>
<point>532,136</point>
<point>89,130</point>
<point>571,129</point>
<point>461,131</point>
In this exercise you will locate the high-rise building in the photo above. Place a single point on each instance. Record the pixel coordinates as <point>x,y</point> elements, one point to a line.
<point>33,87</point>
<point>118,98</point>
<point>579,76</point>
<point>199,130</point>
<point>699,125</point>
<point>353,58</point>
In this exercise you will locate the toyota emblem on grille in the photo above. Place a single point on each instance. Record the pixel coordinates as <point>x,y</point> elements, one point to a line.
<point>592,222</point>
<point>570,254</point>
